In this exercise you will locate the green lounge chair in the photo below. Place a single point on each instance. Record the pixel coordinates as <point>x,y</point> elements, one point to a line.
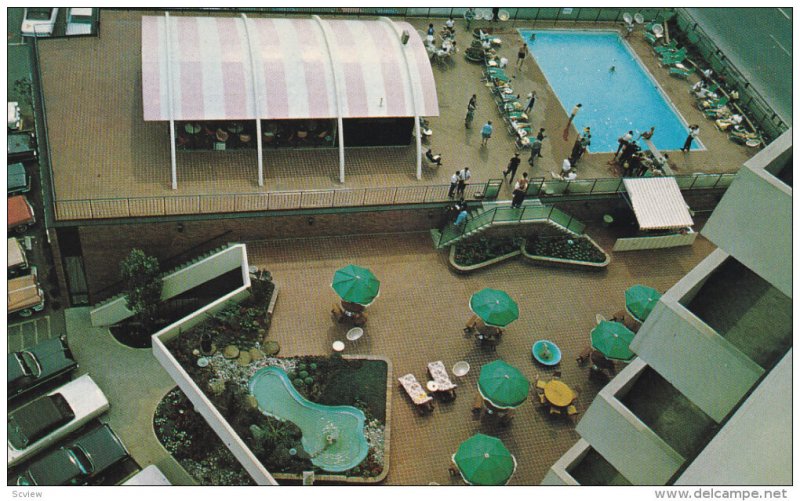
<point>651,38</point>
<point>663,49</point>
<point>681,72</point>
<point>673,58</point>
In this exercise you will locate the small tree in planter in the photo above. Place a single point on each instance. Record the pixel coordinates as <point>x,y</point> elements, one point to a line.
<point>143,284</point>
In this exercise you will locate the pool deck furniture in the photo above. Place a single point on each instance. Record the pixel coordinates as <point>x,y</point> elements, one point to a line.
<point>558,394</point>
<point>662,161</point>
<point>421,399</point>
<point>341,316</point>
<point>444,386</point>
<point>627,320</point>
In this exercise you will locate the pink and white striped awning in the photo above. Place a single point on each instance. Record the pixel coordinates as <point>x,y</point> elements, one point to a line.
<point>238,68</point>
<point>658,203</point>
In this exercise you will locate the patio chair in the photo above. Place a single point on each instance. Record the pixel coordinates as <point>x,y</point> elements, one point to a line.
<point>672,58</point>
<point>652,38</point>
<point>438,373</point>
<point>414,390</point>
<point>666,48</point>
<point>342,316</point>
<point>555,411</point>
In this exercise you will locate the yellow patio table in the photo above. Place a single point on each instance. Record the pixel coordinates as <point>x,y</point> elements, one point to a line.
<point>558,393</point>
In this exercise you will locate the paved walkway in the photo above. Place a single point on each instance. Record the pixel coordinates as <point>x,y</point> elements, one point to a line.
<point>134,383</point>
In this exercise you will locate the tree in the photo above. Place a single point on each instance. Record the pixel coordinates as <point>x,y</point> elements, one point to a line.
<point>143,283</point>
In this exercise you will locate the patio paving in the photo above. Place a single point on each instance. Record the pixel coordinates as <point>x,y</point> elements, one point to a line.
<point>419,316</point>
<point>101,148</point>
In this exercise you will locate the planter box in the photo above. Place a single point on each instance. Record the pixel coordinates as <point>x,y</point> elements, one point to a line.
<point>567,263</point>
<point>466,269</point>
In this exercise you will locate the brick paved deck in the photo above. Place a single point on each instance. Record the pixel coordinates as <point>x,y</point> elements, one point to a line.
<point>102,149</point>
<point>419,316</point>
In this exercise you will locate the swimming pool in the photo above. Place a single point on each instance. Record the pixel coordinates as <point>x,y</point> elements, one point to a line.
<point>332,435</point>
<point>577,66</point>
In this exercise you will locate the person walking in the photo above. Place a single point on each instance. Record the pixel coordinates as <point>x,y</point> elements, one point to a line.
<point>536,149</point>
<point>694,130</point>
<point>531,102</point>
<point>520,190</point>
<point>469,15</point>
<point>513,164</point>
<point>521,53</point>
<point>540,135</point>
<point>453,185</point>
<point>463,176</point>
<point>473,102</point>
<point>486,133</point>
<point>624,140</point>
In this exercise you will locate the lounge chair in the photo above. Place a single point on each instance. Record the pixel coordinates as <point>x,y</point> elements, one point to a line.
<point>421,399</point>
<point>664,49</point>
<point>652,38</point>
<point>439,375</point>
<point>672,58</point>
<point>681,71</point>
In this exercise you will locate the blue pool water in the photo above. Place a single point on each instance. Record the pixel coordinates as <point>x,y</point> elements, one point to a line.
<point>332,435</point>
<point>576,65</point>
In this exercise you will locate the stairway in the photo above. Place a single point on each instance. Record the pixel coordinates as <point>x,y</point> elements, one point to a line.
<point>497,213</point>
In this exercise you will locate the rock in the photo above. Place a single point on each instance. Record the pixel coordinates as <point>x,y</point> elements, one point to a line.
<point>216,386</point>
<point>271,348</point>
<point>244,358</point>
<point>251,401</point>
<point>256,354</point>
<point>230,352</point>
<point>196,352</point>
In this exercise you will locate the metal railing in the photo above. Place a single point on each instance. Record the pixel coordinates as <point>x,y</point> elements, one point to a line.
<point>126,207</point>
<point>507,215</point>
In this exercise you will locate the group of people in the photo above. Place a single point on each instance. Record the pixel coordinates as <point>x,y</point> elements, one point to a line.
<point>458,183</point>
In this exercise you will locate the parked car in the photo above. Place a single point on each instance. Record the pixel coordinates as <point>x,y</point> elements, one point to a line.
<point>14,119</point>
<point>18,180</point>
<point>25,296</point>
<point>79,21</point>
<point>148,476</point>
<point>22,147</point>
<point>39,21</point>
<point>20,214</point>
<point>17,259</point>
<point>46,420</point>
<point>78,463</point>
<point>31,368</point>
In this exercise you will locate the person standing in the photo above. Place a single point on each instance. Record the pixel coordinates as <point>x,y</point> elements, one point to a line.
<point>577,151</point>
<point>431,30</point>
<point>463,176</point>
<point>540,136</point>
<point>462,217</point>
<point>513,164</point>
<point>623,142</point>
<point>566,166</point>
<point>453,185</point>
<point>531,102</point>
<point>496,14</point>
<point>521,53</point>
<point>486,133</point>
<point>536,151</point>
<point>575,111</point>
<point>694,130</point>
<point>473,103</point>
<point>520,190</point>
<point>469,15</point>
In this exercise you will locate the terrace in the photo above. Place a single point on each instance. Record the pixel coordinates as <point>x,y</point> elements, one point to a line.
<point>108,162</point>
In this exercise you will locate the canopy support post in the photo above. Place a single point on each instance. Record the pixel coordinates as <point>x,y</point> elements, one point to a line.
<point>260,153</point>
<point>173,157</point>
<point>418,136</point>
<point>339,124</point>
<point>256,100</point>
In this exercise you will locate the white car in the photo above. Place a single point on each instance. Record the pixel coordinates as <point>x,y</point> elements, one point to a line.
<point>149,476</point>
<point>13,115</point>
<point>47,419</point>
<point>39,21</point>
<point>79,21</point>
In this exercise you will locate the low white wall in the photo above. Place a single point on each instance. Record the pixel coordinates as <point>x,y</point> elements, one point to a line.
<point>176,283</point>
<point>660,242</point>
<point>635,450</point>
<point>558,474</point>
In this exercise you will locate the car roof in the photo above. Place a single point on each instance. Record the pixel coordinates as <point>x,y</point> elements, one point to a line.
<point>18,210</point>
<point>102,446</point>
<point>57,468</point>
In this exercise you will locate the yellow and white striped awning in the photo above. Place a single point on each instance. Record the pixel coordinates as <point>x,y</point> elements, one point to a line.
<point>658,203</point>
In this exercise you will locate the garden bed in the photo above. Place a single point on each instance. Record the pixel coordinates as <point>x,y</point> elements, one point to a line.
<point>472,255</point>
<point>565,251</point>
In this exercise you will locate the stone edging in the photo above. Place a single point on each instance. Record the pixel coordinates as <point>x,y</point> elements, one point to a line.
<point>386,435</point>
<point>273,299</point>
<point>466,269</point>
<point>567,263</point>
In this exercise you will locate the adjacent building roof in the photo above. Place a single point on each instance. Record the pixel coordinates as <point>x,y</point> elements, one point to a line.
<point>226,68</point>
<point>658,203</point>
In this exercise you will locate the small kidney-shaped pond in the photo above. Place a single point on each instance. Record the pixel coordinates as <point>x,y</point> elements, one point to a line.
<point>332,435</point>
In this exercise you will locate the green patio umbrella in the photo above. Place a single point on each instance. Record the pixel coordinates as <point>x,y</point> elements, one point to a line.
<point>356,284</point>
<point>484,460</point>
<point>640,300</point>
<point>612,339</point>
<point>494,307</point>
<point>503,385</point>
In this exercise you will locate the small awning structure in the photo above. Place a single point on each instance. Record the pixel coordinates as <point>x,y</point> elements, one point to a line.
<point>240,68</point>
<point>658,203</point>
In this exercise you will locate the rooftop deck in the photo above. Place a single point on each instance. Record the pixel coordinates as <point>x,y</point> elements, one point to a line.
<point>103,150</point>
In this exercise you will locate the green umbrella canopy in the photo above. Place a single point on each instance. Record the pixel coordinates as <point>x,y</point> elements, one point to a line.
<point>494,307</point>
<point>640,300</point>
<point>484,460</point>
<point>612,339</point>
<point>356,284</point>
<point>503,385</point>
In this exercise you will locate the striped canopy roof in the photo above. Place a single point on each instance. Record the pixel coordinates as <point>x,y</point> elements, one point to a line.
<point>238,68</point>
<point>658,203</point>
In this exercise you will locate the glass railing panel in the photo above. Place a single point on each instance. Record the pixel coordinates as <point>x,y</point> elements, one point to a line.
<point>579,186</point>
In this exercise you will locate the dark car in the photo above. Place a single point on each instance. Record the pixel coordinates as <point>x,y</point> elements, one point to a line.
<point>17,179</point>
<point>35,420</point>
<point>21,147</point>
<point>33,367</point>
<point>79,462</point>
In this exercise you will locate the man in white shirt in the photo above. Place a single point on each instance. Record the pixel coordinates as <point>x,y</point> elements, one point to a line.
<point>463,177</point>
<point>623,141</point>
<point>453,185</point>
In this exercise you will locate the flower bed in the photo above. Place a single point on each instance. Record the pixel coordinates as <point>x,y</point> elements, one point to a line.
<point>471,255</point>
<point>568,251</point>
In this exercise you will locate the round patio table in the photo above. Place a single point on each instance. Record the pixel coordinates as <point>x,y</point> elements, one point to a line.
<point>558,393</point>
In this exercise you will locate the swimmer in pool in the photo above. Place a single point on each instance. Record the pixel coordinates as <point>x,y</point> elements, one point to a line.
<point>613,69</point>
